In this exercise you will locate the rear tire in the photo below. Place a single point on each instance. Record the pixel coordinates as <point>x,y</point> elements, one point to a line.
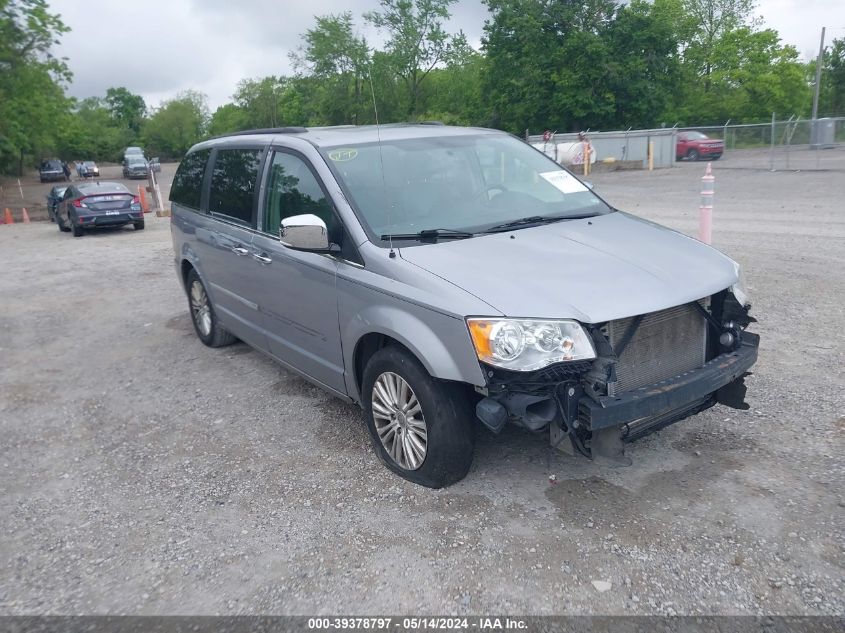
<point>78,231</point>
<point>139,226</point>
<point>206,325</point>
<point>61,224</point>
<point>394,385</point>
<point>692,154</point>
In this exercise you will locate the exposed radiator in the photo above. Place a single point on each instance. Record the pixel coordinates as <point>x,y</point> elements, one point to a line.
<point>666,343</point>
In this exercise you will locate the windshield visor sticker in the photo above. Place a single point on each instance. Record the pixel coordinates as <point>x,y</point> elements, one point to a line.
<point>344,154</point>
<point>564,181</point>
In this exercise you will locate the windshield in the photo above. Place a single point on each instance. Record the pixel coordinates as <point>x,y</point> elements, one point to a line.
<point>696,136</point>
<point>458,183</point>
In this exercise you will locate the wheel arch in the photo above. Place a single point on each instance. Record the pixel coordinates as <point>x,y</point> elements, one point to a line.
<point>440,354</point>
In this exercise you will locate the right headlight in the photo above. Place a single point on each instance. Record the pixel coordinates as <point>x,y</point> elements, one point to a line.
<point>529,344</point>
<point>740,290</point>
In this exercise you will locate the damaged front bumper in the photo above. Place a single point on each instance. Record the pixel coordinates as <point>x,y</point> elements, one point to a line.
<point>679,391</point>
<point>574,402</point>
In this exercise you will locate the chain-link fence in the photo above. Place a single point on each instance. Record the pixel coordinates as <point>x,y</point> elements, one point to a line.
<point>790,145</point>
<point>624,146</point>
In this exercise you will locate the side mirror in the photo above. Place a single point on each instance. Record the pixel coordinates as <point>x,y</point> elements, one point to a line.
<point>589,185</point>
<point>305,233</point>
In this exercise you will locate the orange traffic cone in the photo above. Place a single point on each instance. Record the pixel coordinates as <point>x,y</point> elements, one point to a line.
<point>25,216</point>
<point>143,197</point>
<point>8,219</point>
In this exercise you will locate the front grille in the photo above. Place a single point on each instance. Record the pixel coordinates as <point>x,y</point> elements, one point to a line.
<point>667,343</point>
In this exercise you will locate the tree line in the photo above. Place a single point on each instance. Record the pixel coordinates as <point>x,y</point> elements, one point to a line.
<point>564,65</point>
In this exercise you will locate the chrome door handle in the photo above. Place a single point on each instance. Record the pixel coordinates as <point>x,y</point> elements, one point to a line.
<point>262,258</point>
<point>239,250</point>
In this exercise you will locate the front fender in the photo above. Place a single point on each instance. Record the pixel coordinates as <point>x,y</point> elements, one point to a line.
<point>440,342</point>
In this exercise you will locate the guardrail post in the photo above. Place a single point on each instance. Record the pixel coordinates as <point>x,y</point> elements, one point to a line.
<point>705,211</point>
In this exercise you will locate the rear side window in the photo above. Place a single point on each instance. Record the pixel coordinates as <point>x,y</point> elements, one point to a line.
<point>233,183</point>
<point>187,183</point>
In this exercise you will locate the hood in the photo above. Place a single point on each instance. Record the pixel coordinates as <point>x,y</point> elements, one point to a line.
<point>593,270</point>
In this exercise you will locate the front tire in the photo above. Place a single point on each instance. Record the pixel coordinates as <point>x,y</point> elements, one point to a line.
<point>139,226</point>
<point>422,428</point>
<point>206,325</point>
<point>61,224</point>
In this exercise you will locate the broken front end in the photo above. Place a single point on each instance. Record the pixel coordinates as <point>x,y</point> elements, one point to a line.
<point>615,381</point>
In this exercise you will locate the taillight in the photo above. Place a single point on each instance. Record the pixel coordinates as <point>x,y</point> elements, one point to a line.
<point>78,203</point>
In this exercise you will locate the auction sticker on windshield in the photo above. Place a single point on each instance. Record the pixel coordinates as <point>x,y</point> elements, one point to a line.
<point>343,155</point>
<point>564,181</point>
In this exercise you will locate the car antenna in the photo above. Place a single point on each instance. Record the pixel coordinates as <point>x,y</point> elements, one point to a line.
<point>391,254</point>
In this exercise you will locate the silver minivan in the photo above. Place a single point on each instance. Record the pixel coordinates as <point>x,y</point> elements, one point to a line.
<point>442,277</point>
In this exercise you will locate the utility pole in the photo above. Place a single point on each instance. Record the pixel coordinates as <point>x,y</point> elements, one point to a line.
<point>818,78</point>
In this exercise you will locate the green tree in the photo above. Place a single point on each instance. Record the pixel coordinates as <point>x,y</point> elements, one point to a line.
<point>176,125</point>
<point>416,42</point>
<point>547,63</point>
<point>751,75</point>
<point>832,92</point>
<point>705,24</point>
<point>644,69</point>
<point>89,132</point>
<point>260,100</point>
<point>126,109</point>
<point>31,95</point>
<point>453,94</point>
<point>227,118</point>
<point>333,53</point>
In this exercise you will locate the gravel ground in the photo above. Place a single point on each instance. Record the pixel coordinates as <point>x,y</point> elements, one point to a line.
<point>143,473</point>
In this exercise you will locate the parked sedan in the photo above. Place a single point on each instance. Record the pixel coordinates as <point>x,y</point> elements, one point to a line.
<point>695,145</point>
<point>94,205</point>
<point>53,199</point>
<point>90,169</point>
<point>52,170</point>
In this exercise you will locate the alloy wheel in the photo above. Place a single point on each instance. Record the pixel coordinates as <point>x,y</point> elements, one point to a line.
<point>200,308</point>
<point>399,421</point>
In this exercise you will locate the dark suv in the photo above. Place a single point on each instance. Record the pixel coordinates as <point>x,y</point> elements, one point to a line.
<point>52,170</point>
<point>440,276</point>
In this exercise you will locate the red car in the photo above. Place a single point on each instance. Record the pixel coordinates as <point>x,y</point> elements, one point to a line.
<point>695,145</point>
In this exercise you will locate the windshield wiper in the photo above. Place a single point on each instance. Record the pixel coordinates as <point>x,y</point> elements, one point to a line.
<point>430,235</point>
<point>536,220</point>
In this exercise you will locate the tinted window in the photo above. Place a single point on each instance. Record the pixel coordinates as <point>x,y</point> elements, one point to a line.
<point>99,187</point>
<point>233,183</point>
<point>187,183</point>
<point>294,190</point>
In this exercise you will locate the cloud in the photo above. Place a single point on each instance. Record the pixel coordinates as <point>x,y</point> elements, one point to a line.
<point>158,48</point>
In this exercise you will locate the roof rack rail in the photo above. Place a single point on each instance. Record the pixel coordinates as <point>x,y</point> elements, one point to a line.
<point>431,123</point>
<point>269,130</point>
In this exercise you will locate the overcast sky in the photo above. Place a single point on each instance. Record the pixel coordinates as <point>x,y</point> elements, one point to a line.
<point>157,48</point>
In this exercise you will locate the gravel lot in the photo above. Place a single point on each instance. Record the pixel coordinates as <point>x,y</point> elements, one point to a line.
<point>143,473</point>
